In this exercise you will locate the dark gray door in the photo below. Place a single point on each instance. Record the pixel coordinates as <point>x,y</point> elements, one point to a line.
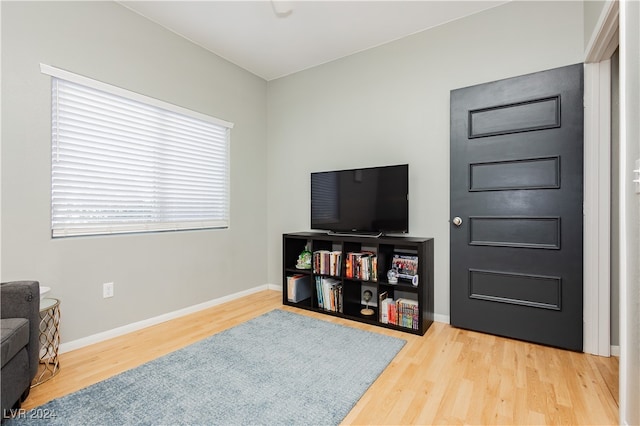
<point>516,185</point>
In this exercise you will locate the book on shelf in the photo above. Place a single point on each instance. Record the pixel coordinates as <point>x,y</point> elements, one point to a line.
<point>393,317</point>
<point>327,262</point>
<point>362,266</point>
<point>402,312</point>
<point>408,313</point>
<point>298,287</point>
<point>329,294</point>
<point>406,265</point>
<point>383,308</point>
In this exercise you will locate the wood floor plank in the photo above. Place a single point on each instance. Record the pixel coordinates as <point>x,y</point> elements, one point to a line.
<point>447,376</point>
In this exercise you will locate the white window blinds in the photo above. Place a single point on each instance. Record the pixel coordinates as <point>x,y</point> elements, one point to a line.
<point>122,162</point>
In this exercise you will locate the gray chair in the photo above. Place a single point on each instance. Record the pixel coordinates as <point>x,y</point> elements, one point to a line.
<point>20,327</point>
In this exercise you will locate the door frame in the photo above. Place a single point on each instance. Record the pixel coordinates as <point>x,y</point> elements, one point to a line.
<point>629,212</point>
<point>597,183</point>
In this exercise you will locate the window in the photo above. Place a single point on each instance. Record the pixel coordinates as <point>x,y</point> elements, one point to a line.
<point>123,162</point>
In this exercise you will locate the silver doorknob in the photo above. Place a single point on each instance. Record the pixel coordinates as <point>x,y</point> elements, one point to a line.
<point>457,221</point>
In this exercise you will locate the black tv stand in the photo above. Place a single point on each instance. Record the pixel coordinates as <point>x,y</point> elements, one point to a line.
<point>345,266</point>
<point>355,234</point>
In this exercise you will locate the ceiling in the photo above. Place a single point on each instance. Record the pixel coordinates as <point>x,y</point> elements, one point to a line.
<point>276,38</point>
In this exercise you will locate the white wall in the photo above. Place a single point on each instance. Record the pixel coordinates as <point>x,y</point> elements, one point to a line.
<point>390,105</point>
<point>592,11</point>
<point>153,273</point>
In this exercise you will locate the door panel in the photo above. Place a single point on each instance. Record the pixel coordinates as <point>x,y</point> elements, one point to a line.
<point>516,183</point>
<point>537,114</point>
<point>523,232</point>
<point>532,173</point>
<point>517,289</point>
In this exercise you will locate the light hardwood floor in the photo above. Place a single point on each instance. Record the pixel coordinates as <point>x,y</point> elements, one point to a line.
<point>447,376</point>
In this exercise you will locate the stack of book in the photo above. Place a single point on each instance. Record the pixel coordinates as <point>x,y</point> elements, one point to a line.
<point>402,312</point>
<point>327,262</point>
<point>362,266</point>
<point>329,292</point>
<point>407,313</point>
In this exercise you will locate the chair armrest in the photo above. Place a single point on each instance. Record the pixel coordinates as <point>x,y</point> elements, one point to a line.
<point>21,299</point>
<point>18,299</point>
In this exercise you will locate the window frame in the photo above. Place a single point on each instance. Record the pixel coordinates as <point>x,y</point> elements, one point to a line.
<point>91,225</point>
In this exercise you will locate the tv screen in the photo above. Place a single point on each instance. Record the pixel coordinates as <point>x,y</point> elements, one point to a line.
<point>369,200</point>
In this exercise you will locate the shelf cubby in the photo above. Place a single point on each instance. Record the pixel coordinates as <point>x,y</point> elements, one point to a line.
<point>345,293</point>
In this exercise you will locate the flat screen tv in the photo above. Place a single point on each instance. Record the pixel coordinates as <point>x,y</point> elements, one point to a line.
<point>372,200</point>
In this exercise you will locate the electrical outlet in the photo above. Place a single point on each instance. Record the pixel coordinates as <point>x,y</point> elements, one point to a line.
<point>107,290</point>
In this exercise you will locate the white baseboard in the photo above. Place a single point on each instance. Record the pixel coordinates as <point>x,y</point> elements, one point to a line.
<point>274,287</point>
<point>129,328</point>
<point>442,318</point>
<point>615,350</point>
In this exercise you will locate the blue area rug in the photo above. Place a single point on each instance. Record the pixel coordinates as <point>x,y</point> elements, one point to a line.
<point>277,369</point>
